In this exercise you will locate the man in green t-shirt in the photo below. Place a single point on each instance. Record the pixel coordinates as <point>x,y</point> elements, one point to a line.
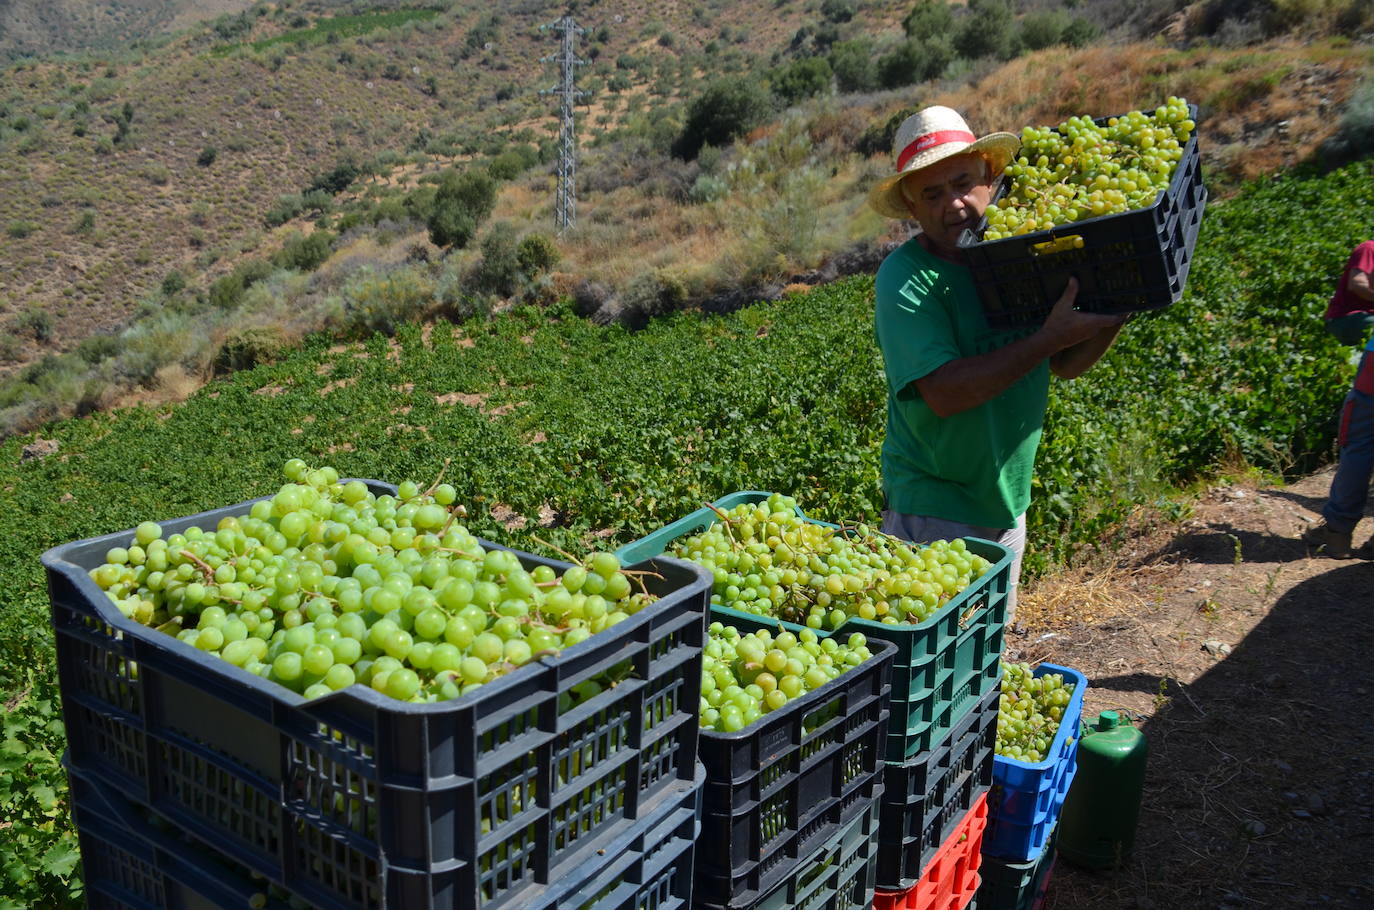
<point>965,402</point>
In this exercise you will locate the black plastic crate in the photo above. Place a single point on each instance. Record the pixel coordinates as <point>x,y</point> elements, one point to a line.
<point>925,798</point>
<point>1126,262</point>
<point>132,859</point>
<point>790,780</point>
<point>834,874</point>
<point>357,801</point>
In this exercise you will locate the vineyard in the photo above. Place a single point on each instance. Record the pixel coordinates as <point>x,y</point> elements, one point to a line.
<point>558,430</point>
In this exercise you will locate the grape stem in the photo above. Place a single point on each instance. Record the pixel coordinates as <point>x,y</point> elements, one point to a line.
<point>205,569</point>
<point>559,550</point>
<point>725,520</point>
<point>439,479</point>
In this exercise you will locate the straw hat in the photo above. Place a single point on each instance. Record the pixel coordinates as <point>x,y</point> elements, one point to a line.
<point>929,136</point>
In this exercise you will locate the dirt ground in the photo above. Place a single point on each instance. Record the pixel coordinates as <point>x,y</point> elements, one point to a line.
<point>1243,660</point>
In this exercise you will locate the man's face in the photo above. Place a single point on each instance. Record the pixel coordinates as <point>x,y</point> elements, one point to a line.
<point>947,197</point>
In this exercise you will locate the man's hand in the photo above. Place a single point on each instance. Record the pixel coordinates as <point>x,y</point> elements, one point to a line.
<point>1066,327</point>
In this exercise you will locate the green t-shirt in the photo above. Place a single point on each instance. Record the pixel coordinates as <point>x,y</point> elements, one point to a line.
<point>975,466</point>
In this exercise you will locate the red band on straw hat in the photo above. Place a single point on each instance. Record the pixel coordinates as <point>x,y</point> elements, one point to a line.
<point>930,140</point>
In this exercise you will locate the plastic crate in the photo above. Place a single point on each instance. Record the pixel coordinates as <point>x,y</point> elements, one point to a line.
<point>836,874</point>
<point>1024,804</point>
<point>134,860</point>
<point>926,798</point>
<point>950,881</point>
<point>1126,262</point>
<point>790,780</point>
<point>1017,886</point>
<point>944,665</point>
<point>357,801</point>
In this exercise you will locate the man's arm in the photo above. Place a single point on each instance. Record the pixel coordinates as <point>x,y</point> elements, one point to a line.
<point>970,381</point>
<point>1360,285</point>
<point>1074,361</point>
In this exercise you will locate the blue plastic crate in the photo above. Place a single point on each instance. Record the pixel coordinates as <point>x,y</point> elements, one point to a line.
<point>790,780</point>
<point>132,859</point>
<point>944,666</point>
<point>356,801</point>
<point>1026,798</point>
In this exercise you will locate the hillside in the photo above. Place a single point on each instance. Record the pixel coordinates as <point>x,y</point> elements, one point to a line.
<point>53,26</point>
<point>131,184</point>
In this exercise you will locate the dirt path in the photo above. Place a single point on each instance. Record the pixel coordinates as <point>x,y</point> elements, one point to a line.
<point>1244,660</point>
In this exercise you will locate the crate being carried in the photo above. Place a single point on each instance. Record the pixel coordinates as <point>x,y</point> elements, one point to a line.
<point>1026,797</point>
<point>793,787</point>
<point>945,664</point>
<point>358,801</point>
<point>1125,262</point>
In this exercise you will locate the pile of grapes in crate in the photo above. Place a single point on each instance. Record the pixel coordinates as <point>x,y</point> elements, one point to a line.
<point>745,676</point>
<point>770,561</point>
<point>1082,169</point>
<point>1029,712</point>
<point>327,584</point>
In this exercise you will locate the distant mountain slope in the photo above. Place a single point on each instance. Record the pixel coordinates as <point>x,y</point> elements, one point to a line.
<point>32,27</point>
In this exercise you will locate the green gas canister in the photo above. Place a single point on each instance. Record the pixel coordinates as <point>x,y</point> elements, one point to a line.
<point>1098,820</point>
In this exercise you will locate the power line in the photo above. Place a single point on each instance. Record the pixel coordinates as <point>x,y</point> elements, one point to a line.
<point>565,209</point>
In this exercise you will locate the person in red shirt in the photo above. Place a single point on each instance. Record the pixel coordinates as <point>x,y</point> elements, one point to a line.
<point>1345,505</point>
<point>1350,315</point>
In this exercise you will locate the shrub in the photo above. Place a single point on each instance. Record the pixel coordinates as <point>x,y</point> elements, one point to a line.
<point>207,156</point>
<point>1354,136</point>
<point>837,10</point>
<point>336,181</point>
<point>801,79</point>
<point>383,303</point>
<point>929,19</point>
<point>288,206</point>
<point>914,60</point>
<point>537,254</point>
<point>248,346</point>
<point>36,321</point>
<point>462,202</point>
<point>987,31</point>
<point>305,254</point>
<point>513,162</point>
<point>1079,32</point>
<point>21,229</point>
<point>173,283</point>
<point>726,109</point>
<point>1043,29</point>
<point>95,348</point>
<point>852,64</point>
<point>498,272</point>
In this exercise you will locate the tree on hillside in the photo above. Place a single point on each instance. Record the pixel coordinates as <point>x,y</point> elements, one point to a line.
<point>727,108</point>
<point>987,31</point>
<point>929,19</point>
<point>801,79</point>
<point>852,64</point>
<point>915,60</point>
<point>462,202</point>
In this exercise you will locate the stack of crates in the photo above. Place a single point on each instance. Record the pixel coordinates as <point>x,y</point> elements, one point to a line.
<point>937,753</point>
<point>198,784</point>
<point>1024,807</point>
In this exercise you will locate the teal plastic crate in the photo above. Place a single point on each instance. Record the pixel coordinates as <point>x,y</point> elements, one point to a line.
<point>944,665</point>
<point>1023,885</point>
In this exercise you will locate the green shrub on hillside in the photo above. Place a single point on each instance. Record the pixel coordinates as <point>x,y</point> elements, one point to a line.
<point>725,110</point>
<point>462,202</point>
<point>987,30</point>
<point>853,66</point>
<point>801,79</point>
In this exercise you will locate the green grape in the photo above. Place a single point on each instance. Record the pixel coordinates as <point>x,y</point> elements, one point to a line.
<point>1029,711</point>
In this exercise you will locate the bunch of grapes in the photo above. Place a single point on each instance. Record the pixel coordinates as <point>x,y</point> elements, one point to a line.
<point>745,676</point>
<point>1029,712</point>
<point>1081,170</point>
<point>769,561</point>
<point>326,585</point>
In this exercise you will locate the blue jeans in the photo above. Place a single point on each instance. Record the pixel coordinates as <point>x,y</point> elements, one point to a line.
<point>1350,487</point>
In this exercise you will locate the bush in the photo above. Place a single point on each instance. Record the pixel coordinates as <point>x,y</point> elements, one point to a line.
<point>987,31</point>
<point>852,64</point>
<point>462,202</point>
<point>1354,136</point>
<point>383,303</point>
<point>336,181</point>
<point>929,19</point>
<point>915,60</point>
<point>38,322</point>
<point>726,109</point>
<point>288,206</point>
<point>304,254</point>
<point>513,162</point>
<point>207,156</point>
<point>248,346</point>
<point>1043,29</point>
<point>96,348</point>
<point>173,283</point>
<point>837,10</point>
<point>21,229</point>
<point>801,79</point>
<point>498,272</point>
<point>537,254</point>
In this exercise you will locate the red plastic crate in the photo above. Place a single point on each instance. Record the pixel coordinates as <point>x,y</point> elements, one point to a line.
<point>951,880</point>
